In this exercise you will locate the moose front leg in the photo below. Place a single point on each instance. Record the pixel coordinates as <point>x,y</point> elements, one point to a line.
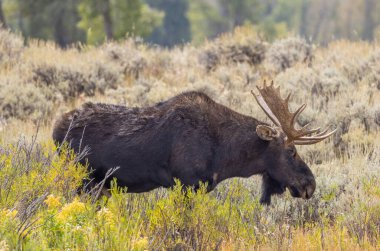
<point>270,187</point>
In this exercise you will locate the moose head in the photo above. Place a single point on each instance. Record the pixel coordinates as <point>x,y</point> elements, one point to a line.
<point>284,167</point>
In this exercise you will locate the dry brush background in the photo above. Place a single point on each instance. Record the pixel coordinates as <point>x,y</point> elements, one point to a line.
<point>340,84</point>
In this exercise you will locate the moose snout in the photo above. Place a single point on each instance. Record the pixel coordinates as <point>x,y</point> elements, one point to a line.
<point>309,190</point>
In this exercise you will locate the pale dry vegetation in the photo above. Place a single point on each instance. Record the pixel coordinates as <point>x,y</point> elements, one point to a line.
<point>340,84</point>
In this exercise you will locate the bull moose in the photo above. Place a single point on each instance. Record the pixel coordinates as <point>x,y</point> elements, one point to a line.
<point>192,138</point>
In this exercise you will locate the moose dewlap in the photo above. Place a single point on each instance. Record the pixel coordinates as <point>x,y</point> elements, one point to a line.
<point>192,138</point>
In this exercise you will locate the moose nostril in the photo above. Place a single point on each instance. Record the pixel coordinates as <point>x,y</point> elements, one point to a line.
<point>309,191</point>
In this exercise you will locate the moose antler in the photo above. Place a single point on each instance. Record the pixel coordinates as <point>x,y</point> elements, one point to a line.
<point>277,110</point>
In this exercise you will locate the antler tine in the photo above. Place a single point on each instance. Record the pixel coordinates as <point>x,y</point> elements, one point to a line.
<point>323,132</point>
<point>308,132</point>
<point>288,98</point>
<point>265,107</point>
<point>310,142</point>
<point>321,135</point>
<point>297,113</point>
<point>313,140</point>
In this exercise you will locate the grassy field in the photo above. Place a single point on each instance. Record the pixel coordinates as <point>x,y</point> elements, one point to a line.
<point>40,208</point>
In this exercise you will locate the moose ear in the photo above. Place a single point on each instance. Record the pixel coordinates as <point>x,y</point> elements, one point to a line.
<point>266,132</point>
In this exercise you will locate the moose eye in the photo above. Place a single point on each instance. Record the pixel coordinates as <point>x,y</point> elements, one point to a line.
<point>292,151</point>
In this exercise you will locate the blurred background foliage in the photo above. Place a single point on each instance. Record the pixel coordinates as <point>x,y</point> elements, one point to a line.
<point>172,22</point>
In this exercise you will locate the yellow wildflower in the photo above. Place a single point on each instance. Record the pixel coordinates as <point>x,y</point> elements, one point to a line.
<point>4,246</point>
<point>72,210</point>
<point>52,202</point>
<point>140,244</point>
<point>8,213</point>
<point>106,216</point>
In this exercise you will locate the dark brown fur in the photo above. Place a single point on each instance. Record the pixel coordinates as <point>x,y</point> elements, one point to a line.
<point>189,137</point>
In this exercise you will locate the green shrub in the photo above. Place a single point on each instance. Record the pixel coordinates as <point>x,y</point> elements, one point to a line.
<point>226,50</point>
<point>23,101</point>
<point>285,53</point>
<point>70,82</point>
